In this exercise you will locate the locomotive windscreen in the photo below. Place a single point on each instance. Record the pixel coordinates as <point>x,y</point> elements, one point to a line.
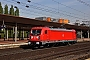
<point>36,31</point>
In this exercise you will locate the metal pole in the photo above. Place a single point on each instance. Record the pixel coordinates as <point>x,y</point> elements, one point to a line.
<point>87,24</point>
<point>89,30</point>
<point>3,25</point>
<point>13,33</point>
<point>19,33</point>
<point>7,33</point>
<point>58,7</point>
<point>81,34</point>
<point>23,34</point>
<point>27,35</point>
<point>88,34</point>
<point>16,33</point>
<point>4,34</point>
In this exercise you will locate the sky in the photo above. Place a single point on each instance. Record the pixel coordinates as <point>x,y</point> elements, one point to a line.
<point>67,9</point>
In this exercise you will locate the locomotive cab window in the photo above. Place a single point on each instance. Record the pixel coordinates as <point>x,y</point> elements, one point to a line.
<point>36,31</point>
<point>45,31</point>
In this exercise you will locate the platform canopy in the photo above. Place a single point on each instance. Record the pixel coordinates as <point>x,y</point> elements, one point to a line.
<point>28,22</point>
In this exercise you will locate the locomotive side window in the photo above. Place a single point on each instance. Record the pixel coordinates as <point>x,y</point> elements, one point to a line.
<point>45,31</point>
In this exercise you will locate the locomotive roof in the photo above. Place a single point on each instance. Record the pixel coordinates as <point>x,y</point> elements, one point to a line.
<point>39,27</point>
<point>61,29</point>
<point>57,29</point>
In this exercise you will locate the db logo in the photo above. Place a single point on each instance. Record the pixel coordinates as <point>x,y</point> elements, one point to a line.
<point>62,35</point>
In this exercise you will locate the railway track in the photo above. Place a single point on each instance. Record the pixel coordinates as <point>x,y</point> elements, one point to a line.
<point>62,55</point>
<point>62,52</point>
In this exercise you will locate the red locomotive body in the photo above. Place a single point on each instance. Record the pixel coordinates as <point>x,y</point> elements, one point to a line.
<point>45,35</point>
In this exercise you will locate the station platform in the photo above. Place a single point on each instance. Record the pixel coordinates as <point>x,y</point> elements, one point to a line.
<point>10,43</point>
<point>83,39</point>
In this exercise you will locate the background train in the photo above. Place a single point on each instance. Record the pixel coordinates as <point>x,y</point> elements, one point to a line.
<point>49,19</point>
<point>46,36</point>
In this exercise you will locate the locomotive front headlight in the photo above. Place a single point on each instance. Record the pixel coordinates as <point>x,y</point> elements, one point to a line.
<point>31,37</point>
<point>29,43</point>
<point>37,43</point>
<point>38,37</point>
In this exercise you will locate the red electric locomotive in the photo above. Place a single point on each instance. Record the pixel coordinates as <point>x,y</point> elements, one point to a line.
<point>45,35</point>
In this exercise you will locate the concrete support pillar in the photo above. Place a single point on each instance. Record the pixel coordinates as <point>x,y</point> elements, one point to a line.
<point>10,33</point>
<point>78,34</point>
<point>88,34</point>
<point>4,34</point>
<point>7,34</point>
<point>27,35</point>
<point>81,34</point>
<point>19,34</point>
<point>16,34</point>
<point>13,33</point>
<point>23,34</point>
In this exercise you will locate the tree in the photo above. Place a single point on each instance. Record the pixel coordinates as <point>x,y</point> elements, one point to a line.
<point>17,12</point>
<point>1,9</point>
<point>6,9</point>
<point>11,12</point>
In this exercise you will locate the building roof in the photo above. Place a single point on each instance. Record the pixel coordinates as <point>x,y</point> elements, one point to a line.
<point>28,22</point>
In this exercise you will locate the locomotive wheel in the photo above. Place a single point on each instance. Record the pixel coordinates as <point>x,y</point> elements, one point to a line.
<point>71,43</point>
<point>57,44</point>
<point>54,44</point>
<point>39,46</point>
<point>50,45</point>
<point>74,42</point>
<point>68,43</point>
<point>61,43</point>
<point>47,45</point>
<point>33,46</point>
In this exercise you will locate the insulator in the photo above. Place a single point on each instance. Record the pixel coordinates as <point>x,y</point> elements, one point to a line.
<point>15,6</point>
<point>29,1</point>
<point>27,6</point>
<point>18,2</point>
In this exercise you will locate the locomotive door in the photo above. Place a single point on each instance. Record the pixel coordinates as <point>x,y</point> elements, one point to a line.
<point>46,35</point>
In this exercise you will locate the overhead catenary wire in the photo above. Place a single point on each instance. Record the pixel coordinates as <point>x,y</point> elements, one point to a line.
<point>21,9</point>
<point>47,10</point>
<point>55,9</point>
<point>29,11</point>
<point>30,8</point>
<point>43,9</point>
<point>70,7</point>
<point>84,3</point>
<point>59,9</point>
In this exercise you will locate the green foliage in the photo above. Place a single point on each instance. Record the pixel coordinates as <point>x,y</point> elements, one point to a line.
<point>10,34</point>
<point>1,9</point>
<point>11,12</point>
<point>17,12</point>
<point>6,9</point>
